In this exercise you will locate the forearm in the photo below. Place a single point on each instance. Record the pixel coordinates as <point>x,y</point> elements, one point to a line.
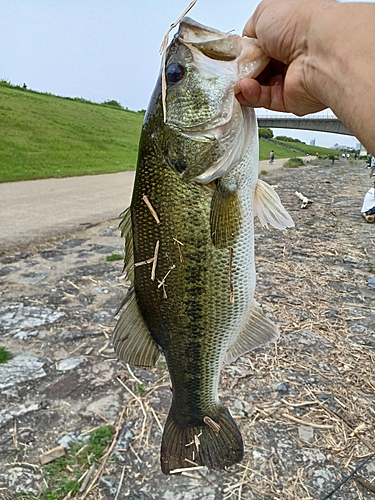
<point>341,69</point>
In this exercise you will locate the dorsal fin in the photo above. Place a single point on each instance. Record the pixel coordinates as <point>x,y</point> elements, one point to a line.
<point>268,207</point>
<point>258,330</point>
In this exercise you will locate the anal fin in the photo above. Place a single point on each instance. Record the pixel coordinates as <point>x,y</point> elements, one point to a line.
<point>131,339</point>
<point>258,330</point>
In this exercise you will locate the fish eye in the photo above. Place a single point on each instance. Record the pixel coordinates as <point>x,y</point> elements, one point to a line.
<point>175,73</point>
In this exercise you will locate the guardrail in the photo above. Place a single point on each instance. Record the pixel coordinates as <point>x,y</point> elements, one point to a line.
<point>319,123</point>
<point>294,117</point>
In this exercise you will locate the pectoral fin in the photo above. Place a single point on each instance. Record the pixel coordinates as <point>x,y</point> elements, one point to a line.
<point>268,207</point>
<point>131,339</point>
<point>258,330</point>
<point>126,232</point>
<point>225,217</point>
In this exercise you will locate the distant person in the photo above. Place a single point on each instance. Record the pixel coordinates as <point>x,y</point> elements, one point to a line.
<point>306,73</point>
<point>317,154</point>
<point>272,156</point>
<point>368,207</point>
<point>24,86</point>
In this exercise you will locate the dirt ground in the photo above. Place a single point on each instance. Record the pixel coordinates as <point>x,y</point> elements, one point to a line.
<point>305,406</point>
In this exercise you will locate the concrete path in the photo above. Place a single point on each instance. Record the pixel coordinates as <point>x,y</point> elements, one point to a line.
<point>31,211</point>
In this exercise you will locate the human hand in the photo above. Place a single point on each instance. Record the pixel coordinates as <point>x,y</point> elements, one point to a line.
<point>288,32</point>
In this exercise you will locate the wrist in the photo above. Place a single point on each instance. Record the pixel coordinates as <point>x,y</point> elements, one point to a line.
<point>337,58</point>
<point>341,73</point>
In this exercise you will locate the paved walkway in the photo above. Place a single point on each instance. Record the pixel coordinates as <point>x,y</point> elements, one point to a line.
<point>31,211</point>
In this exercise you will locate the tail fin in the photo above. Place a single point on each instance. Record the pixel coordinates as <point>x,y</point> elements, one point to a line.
<point>216,443</point>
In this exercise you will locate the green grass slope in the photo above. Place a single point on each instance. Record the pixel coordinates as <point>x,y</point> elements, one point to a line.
<point>44,136</point>
<point>47,136</point>
<point>280,151</point>
<point>306,149</point>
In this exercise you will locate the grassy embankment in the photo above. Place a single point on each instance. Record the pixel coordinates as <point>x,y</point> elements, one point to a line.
<point>47,136</point>
<point>307,149</point>
<point>44,136</point>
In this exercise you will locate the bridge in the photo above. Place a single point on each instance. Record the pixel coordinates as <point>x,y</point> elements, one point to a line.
<point>318,123</point>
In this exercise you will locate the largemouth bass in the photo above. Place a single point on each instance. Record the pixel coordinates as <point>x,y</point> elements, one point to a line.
<point>189,244</point>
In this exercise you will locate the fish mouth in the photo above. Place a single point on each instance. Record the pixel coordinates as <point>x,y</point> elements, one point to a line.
<point>216,45</point>
<point>211,42</point>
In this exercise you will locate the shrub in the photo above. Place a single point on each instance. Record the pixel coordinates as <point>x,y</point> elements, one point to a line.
<point>286,138</point>
<point>112,103</point>
<point>294,163</point>
<point>265,133</point>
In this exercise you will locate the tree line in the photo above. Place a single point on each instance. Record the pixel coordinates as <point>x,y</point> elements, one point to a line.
<point>266,133</point>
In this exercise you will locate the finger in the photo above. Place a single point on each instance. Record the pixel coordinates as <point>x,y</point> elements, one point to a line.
<point>262,96</point>
<point>249,29</point>
<point>250,92</point>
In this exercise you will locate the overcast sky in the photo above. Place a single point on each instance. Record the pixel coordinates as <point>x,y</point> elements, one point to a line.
<point>106,49</point>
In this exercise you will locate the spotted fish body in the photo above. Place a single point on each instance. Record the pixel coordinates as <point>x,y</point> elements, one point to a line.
<point>190,241</point>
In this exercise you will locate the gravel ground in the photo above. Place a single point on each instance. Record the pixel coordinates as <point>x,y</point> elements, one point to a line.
<point>305,405</point>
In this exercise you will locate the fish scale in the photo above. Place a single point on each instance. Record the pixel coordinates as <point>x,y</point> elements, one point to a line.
<point>194,198</point>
